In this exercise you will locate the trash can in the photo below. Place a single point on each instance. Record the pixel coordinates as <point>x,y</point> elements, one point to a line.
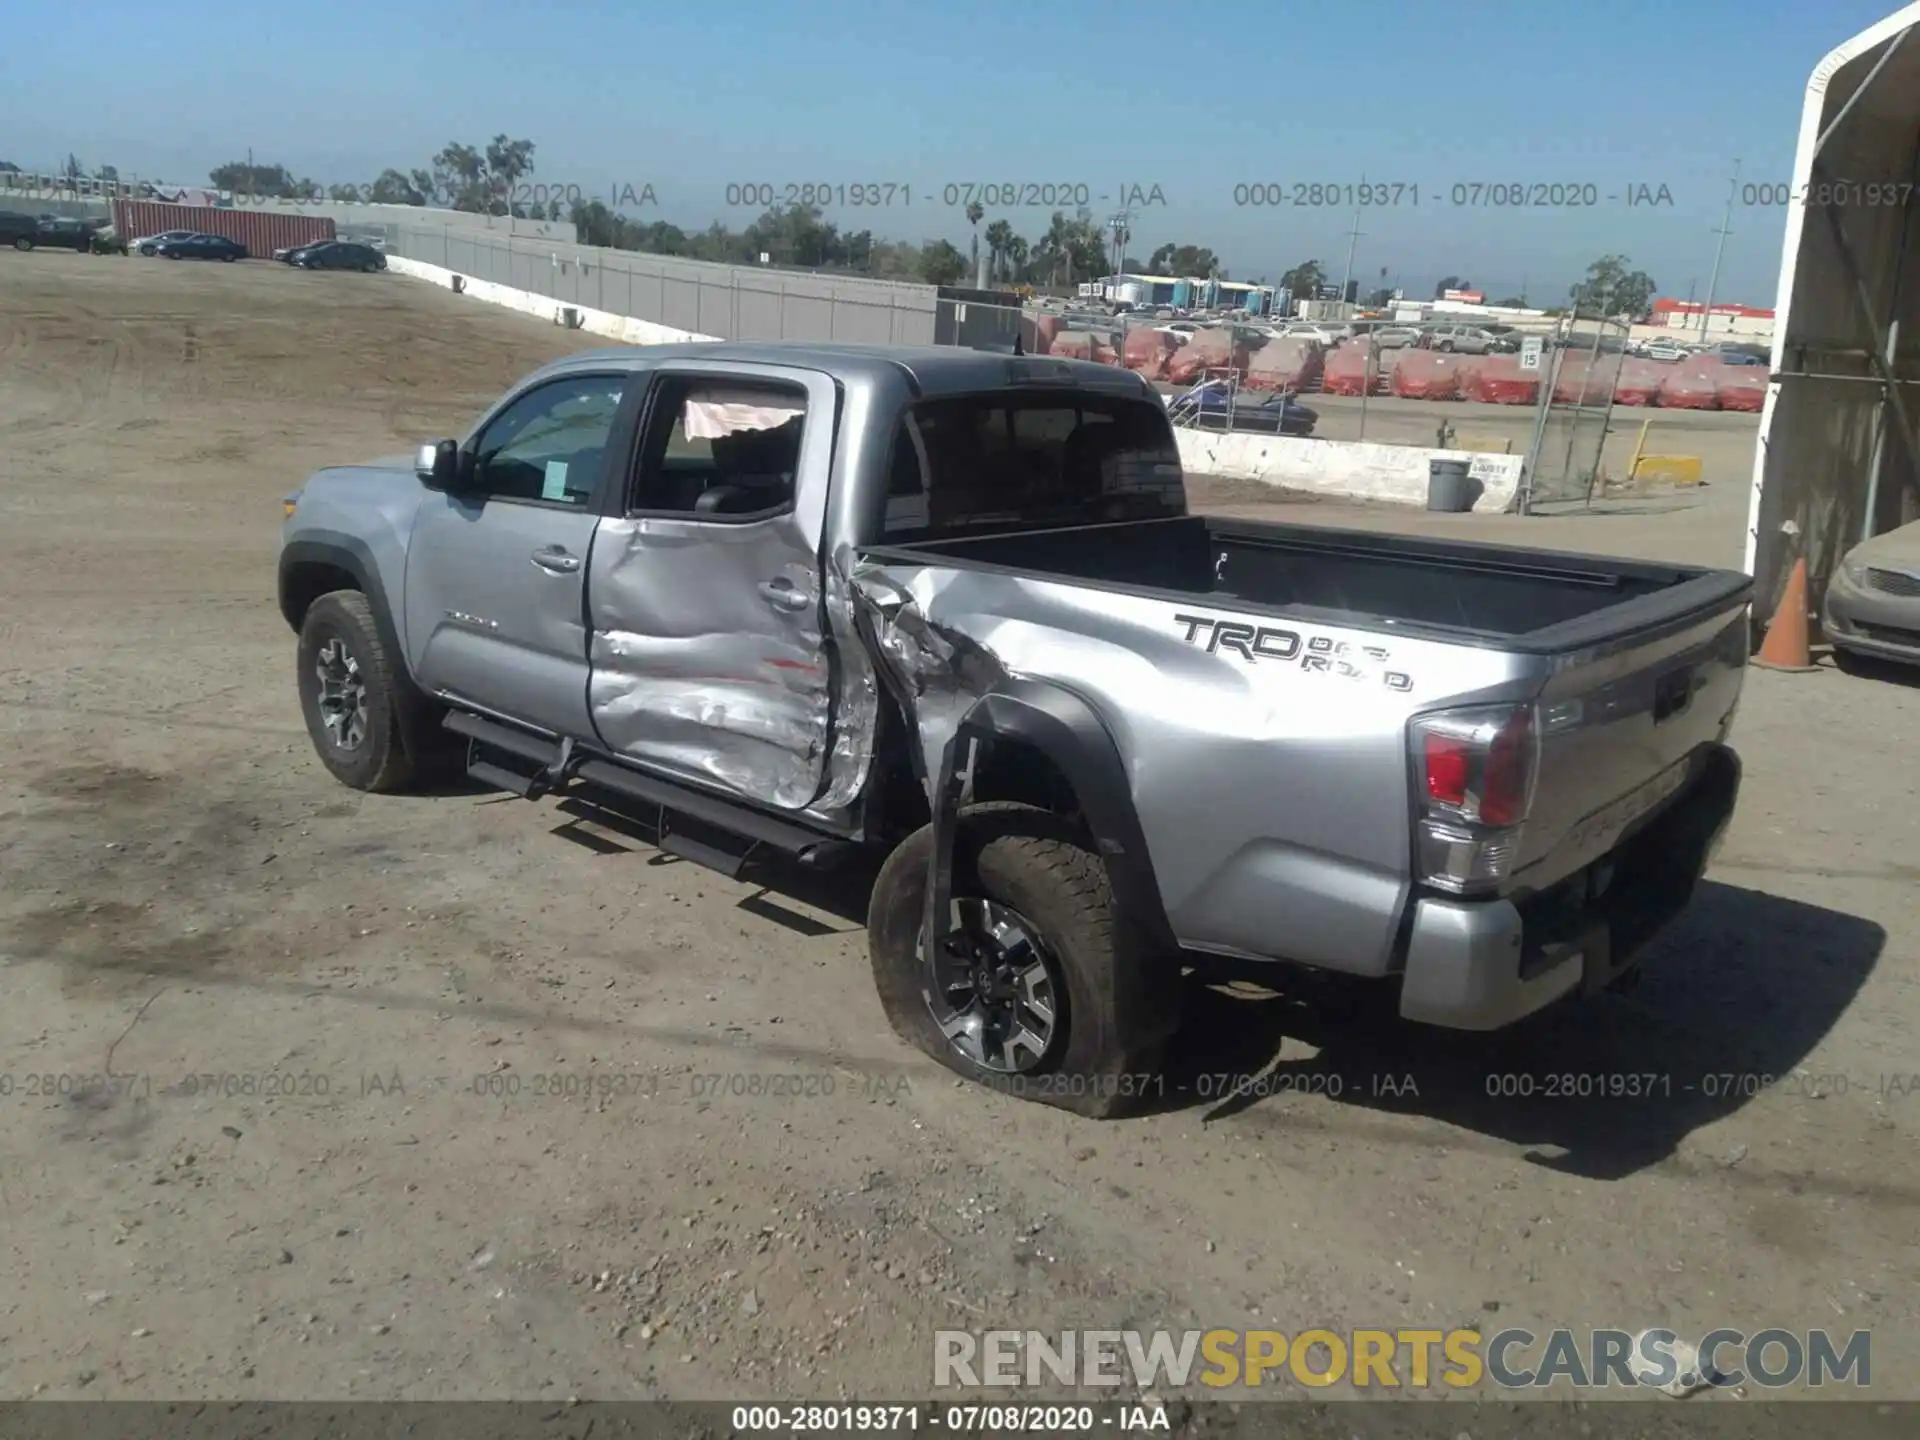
<point>1449,486</point>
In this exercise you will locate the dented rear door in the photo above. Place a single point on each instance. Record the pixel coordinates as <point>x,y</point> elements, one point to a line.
<point>710,657</point>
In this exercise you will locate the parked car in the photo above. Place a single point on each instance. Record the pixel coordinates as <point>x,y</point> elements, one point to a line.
<point>150,244</point>
<point>89,237</point>
<point>1736,354</point>
<point>201,247</point>
<point>1667,350</point>
<point>1469,340</point>
<point>1396,337</point>
<point>336,255</point>
<point>950,609</point>
<point>22,232</point>
<point>1314,330</point>
<point>1872,605</point>
<point>1215,406</point>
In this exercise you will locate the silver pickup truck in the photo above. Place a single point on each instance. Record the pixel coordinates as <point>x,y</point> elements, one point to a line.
<point>950,609</point>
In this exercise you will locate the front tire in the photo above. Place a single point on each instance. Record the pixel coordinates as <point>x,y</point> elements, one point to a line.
<point>1075,968</point>
<point>350,695</point>
<point>23,244</point>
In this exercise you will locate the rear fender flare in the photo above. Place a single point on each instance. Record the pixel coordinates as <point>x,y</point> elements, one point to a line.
<point>1066,729</point>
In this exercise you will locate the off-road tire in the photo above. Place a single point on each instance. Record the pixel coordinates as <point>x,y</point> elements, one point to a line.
<point>1121,998</point>
<point>381,763</point>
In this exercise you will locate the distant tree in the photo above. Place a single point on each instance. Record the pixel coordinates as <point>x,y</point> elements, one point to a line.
<point>1612,289</point>
<point>393,188</point>
<point>999,238</point>
<point>108,174</point>
<point>941,263</point>
<point>1189,260</point>
<point>1304,280</point>
<point>73,169</point>
<point>976,212</point>
<point>274,182</point>
<point>1377,298</point>
<point>1017,259</point>
<point>1449,282</point>
<point>1512,302</point>
<point>7,167</point>
<point>478,179</point>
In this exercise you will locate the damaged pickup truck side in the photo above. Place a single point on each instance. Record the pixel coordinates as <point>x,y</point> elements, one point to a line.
<point>950,609</point>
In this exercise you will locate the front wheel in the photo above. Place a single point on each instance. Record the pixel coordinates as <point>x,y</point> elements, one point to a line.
<point>350,695</point>
<point>23,244</point>
<point>1046,992</point>
<point>229,258</point>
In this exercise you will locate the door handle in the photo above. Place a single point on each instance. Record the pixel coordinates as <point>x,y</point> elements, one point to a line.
<point>782,595</point>
<point>556,560</point>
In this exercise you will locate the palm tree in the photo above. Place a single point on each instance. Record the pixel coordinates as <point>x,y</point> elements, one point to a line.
<point>999,247</point>
<point>976,212</point>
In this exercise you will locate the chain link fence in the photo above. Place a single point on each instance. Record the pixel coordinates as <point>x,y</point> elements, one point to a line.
<point>1581,375</point>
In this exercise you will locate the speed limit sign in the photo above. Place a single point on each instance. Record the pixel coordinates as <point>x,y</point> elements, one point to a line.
<point>1530,352</point>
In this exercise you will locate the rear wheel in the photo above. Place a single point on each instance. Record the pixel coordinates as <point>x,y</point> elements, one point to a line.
<point>22,243</point>
<point>1046,992</point>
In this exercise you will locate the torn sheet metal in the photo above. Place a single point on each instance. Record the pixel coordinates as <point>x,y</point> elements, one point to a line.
<point>709,656</point>
<point>941,671</point>
<point>856,712</point>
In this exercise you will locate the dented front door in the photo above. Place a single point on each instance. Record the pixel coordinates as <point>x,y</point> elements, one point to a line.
<point>709,654</point>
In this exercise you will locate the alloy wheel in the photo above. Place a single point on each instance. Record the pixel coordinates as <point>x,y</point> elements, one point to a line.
<point>342,697</point>
<point>1001,992</point>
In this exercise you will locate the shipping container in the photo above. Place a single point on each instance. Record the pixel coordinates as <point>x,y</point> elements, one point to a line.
<point>261,231</point>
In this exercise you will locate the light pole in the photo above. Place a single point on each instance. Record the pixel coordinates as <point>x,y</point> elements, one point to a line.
<point>1353,242</point>
<point>1713,280</point>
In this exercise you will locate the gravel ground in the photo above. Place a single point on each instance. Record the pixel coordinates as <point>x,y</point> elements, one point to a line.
<point>309,1094</point>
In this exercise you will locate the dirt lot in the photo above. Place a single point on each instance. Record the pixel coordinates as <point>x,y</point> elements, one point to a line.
<point>402,1096</point>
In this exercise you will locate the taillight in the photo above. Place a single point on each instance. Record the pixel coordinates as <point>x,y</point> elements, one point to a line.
<point>1476,771</point>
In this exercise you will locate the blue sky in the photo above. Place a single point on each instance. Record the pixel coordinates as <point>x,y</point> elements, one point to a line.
<point>693,97</point>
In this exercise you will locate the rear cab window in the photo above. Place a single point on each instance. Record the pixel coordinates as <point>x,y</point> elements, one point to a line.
<point>975,464</point>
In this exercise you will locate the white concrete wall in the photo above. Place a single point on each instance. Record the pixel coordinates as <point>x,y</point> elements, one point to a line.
<point>625,329</point>
<point>1396,474</point>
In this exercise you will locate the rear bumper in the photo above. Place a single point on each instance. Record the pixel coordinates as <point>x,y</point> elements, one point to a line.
<point>1482,965</point>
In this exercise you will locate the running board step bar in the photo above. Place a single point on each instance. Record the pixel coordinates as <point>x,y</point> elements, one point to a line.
<point>539,765</point>
<point>501,778</point>
<point>729,863</point>
<point>528,746</point>
<point>768,830</point>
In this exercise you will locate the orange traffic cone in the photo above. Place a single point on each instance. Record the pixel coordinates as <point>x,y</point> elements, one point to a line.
<point>1785,645</point>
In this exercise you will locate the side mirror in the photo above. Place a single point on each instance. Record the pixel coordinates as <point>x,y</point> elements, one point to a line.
<point>438,465</point>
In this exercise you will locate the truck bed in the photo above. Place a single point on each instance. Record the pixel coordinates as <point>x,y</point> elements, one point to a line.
<point>1522,600</point>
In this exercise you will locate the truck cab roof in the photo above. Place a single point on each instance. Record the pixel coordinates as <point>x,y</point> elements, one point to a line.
<point>929,369</point>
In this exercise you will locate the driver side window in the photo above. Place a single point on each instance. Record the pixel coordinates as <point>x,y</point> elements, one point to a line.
<point>548,447</point>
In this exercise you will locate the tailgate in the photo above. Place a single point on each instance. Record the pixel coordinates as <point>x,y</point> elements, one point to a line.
<point>1625,719</point>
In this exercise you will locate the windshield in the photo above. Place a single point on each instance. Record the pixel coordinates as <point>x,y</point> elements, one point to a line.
<point>994,462</point>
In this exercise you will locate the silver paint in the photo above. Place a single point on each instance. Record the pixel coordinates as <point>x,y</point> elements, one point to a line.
<point>1276,801</point>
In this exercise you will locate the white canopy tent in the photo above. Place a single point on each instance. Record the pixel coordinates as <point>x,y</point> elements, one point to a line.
<point>1839,455</point>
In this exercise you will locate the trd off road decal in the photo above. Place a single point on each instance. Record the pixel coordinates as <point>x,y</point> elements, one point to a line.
<point>1318,654</point>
